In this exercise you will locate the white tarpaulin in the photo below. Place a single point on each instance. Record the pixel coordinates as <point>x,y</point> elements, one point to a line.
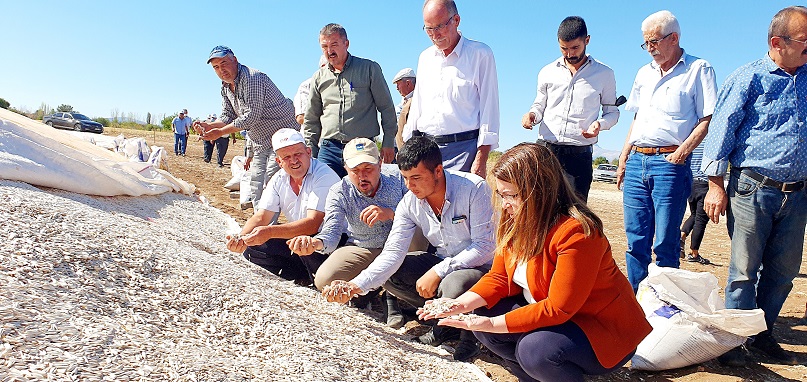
<point>34,153</point>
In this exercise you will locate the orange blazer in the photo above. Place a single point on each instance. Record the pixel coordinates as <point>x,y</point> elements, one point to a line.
<point>574,278</point>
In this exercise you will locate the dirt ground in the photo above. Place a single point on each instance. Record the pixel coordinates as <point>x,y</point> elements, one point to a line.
<point>606,201</point>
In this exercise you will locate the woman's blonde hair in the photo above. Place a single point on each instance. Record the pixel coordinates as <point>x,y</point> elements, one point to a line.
<point>545,195</point>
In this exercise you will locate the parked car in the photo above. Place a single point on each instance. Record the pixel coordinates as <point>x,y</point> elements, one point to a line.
<point>605,173</point>
<point>73,120</point>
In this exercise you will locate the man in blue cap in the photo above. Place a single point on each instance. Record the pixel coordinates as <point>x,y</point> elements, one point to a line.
<point>251,102</point>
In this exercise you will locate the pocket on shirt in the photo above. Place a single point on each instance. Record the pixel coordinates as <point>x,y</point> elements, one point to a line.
<point>463,91</point>
<point>586,100</point>
<point>675,103</point>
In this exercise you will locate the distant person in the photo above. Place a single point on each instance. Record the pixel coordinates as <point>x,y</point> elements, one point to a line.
<point>180,126</point>
<point>221,144</point>
<point>456,102</point>
<point>346,98</point>
<point>758,128</point>
<point>298,192</point>
<point>453,210</point>
<point>302,97</point>
<point>360,206</point>
<point>251,102</point>
<point>697,220</point>
<point>673,98</point>
<point>404,81</point>
<point>571,92</point>
<point>554,305</point>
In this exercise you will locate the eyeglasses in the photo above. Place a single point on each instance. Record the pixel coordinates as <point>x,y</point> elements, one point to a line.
<point>787,38</point>
<point>432,30</point>
<point>654,42</point>
<point>507,198</point>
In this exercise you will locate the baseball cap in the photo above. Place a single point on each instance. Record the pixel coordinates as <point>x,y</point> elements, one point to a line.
<point>404,73</point>
<point>360,150</point>
<point>218,52</point>
<point>286,137</point>
<point>185,111</point>
<point>181,112</point>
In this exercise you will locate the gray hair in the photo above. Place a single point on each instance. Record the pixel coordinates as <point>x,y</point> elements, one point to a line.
<point>663,20</point>
<point>449,5</point>
<point>333,28</point>
<point>779,24</point>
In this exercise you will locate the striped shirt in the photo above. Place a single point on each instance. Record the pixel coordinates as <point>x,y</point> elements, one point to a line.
<point>257,105</point>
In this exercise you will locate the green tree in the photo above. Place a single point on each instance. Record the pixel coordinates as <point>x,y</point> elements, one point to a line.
<point>615,162</point>
<point>102,121</point>
<point>600,160</point>
<point>4,104</point>
<point>166,122</point>
<point>64,108</point>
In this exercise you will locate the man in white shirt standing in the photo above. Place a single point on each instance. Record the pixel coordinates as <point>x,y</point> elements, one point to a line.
<point>571,91</point>
<point>456,102</point>
<point>673,98</point>
<point>404,81</point>
<point>298,191</point>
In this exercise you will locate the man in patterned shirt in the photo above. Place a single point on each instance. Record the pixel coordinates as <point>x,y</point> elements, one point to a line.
<point>759,128</point>
<point>251,102</point>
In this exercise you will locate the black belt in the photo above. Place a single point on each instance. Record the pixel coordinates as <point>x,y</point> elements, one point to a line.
<point>768,182</point>
<point>449,138</point>
<point>565,149</point>
<point>338,142</point>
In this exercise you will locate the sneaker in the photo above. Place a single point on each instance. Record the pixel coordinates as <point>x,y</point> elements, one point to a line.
<point>467,348</point>
<point>439,334</point>
<point>734,358</point>
<point>246,205</point>
<point>698,259</point>
<point>766,344</point>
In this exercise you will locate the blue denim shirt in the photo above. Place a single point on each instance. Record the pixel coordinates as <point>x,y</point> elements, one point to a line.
<point>759,123</point>
<point>464,236</point>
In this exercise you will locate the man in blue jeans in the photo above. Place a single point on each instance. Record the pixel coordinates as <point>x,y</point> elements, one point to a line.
<point>180,127</point>
<point>673,98</point>
<point>346,96</point>
<point>758,127</point>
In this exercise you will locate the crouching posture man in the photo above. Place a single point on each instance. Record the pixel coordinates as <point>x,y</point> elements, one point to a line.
<point>298,191</point>
<point>453,209</point>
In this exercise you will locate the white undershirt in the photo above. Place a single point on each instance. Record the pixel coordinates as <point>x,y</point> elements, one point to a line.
<point>520,278</point>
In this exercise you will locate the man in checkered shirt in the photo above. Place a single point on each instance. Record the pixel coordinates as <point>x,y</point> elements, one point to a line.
<point>251,102</point>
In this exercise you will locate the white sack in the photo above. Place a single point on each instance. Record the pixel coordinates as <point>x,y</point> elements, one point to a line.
<point>40,155</point>
<point>237,169</point>
<point>690,322</point>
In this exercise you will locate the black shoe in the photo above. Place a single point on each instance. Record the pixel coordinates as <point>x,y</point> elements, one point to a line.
<point>467,348</point>
<point>734,358</point>
<point>683,243</point>
<point>766,344</point>
<point>439,334</point>
<point>395,318</point>
<point>207,160</point>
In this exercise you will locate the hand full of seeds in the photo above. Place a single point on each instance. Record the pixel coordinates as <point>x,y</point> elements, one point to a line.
<point>340,291</point>
<point>437,308</point>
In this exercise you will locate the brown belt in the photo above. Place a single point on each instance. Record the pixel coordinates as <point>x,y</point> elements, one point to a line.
<point>655,150</point>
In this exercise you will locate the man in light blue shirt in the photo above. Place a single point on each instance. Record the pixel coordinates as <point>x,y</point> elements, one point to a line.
<point>759,127</point>
<point>454,211</point>
<point>180,126</point>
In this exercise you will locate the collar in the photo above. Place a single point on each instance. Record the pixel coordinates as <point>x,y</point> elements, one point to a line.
<point>685,58</point>
<point>561,62</point>
<point>771,66</point>
<point>347,64</point>
<point>408,96</point>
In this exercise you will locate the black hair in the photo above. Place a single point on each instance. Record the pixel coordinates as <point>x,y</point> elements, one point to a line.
<point>419,150</point>
<point>571,28</point>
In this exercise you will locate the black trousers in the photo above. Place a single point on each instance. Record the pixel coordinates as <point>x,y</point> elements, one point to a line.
<point>276,257</point>
<point>697,221</point>
<point>579,170</point>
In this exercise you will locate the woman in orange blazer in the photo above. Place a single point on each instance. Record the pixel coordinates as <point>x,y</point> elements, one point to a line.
<point>554,305</point>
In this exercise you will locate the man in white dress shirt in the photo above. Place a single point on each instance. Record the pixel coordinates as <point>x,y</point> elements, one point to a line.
<point>571,91</point>
<point>456,101</point>
<point>299,191</point>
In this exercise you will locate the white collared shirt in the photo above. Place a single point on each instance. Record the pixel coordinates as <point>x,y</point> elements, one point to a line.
<point>567,104</point>
<point>668,107</point>
<point>279,197</point>
<point>456,93</point>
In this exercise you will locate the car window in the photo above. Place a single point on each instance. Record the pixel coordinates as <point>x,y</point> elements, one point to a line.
<point>80,116</point>
<point>57,115</point>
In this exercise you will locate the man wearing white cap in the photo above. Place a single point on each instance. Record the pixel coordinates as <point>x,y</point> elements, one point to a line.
<point>405,82</point>
<point>180,126</point>
<point>299,192</point>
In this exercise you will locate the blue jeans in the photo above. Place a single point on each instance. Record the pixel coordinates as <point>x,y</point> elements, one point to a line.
<point>766,227</point>
<point>554,353</point>
<point>330,153</point>
<point>180,141</point>
<point>655,196</point>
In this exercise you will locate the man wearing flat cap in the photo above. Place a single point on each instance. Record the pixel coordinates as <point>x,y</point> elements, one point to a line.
<point>405,82</point>
<point>251,102</point>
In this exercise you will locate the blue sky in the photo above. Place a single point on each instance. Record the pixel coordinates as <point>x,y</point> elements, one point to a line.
<point>149,56</point>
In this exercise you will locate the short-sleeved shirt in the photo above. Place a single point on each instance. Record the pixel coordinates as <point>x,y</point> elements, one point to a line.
<point>181,125</point>
<point>668,107</point>
<point>279,197</point>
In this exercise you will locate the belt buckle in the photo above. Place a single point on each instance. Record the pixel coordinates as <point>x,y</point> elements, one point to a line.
<point>792,187</point>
